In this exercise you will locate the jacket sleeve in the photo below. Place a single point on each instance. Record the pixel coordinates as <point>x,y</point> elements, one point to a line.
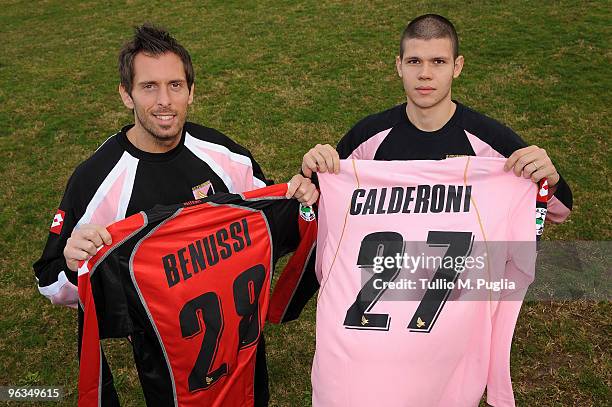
<point>296,231</point>
<point>55,280</point>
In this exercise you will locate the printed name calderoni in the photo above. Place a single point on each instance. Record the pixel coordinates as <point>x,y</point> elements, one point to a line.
<point>412,199</point>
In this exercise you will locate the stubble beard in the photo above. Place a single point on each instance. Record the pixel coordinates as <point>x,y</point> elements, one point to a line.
<point>150,129</point>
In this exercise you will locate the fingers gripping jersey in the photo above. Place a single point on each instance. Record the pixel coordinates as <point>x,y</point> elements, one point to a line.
<point>190,284</point>
<point>438,345</point>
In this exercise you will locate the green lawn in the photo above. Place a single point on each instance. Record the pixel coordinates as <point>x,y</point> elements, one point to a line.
<point>280,77</point>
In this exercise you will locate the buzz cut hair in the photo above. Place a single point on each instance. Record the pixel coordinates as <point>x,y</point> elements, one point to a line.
<point>430,26</point>
<point>151,41</point>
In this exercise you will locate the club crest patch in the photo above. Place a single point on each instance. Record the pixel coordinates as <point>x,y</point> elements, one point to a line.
<point>203,190</point>
<point>307,213</point>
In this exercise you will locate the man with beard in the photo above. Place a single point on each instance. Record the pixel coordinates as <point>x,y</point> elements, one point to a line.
<point>160,159</point>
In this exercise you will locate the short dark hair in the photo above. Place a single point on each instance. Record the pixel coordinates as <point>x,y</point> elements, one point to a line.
<point>430,26</point>
<point>153,41</point>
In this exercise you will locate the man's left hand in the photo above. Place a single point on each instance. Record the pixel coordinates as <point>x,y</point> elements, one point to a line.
<point>532,162</point>
<point>303,190</point>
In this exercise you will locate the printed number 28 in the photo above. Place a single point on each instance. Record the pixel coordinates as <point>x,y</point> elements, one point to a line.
<point>208,307</point>
<point>390,244</point>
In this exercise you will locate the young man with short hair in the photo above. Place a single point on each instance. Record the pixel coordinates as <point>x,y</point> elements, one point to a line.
<point>429,126</point>
<point>159,160</point>
<point>432,126</point>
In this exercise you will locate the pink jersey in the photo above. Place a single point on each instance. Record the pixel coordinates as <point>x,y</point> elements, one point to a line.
<point>382,342</point>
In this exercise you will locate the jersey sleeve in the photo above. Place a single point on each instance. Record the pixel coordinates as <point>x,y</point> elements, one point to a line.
<point>55,280</point>
<point>90,352</point>
<point>103,312</point>
<point>523,232</point>
<point>294,229</point>
<point>499,383</point>
<point>560,202</point>
<point>104,275</point>
<point>362,141</point>
<point>528,213</point>
<point>488,137</point>
<point>95,377</point>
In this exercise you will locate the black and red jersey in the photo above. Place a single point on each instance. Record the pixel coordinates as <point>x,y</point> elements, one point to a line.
<point>190,285</point>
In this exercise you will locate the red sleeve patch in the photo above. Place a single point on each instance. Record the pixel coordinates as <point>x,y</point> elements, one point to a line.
<point>58,222</point>
<point>543,191</point>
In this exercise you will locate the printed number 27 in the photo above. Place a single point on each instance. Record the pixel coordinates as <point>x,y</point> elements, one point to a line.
<point>390,244</point>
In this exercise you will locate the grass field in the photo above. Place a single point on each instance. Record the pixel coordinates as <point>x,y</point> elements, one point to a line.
<point>280,77</point>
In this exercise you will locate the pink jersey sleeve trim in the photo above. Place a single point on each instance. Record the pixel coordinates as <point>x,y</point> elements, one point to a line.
<point>235,170</point>
<point>557,212</point>
<point>106,212</point>
<point>68,295</point>
<point>482,149</point>
<point>111,200</point>
<point>367,149</point>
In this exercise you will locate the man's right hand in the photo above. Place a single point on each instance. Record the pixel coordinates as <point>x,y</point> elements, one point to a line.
<point>321,158</point>
<point>83,243</point>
